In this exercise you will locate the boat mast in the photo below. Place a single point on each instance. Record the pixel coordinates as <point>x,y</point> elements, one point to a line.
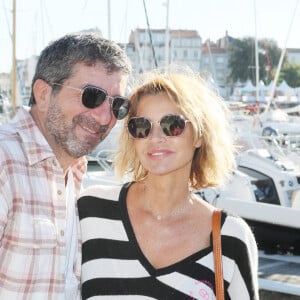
<point>108,20</point>
<point>212,64</point>
<point>167,37</point>
<point>281,60</point>
<point>256,56</point>
<point>150,36</point>
<point>13,72</point>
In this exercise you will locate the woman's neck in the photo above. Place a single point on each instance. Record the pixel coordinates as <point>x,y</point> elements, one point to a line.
<point>164,202</point>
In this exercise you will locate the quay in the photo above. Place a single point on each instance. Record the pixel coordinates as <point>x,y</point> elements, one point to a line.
<point>279,276</point>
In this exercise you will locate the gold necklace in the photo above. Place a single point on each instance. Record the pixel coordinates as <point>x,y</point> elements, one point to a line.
<point>174,213</point>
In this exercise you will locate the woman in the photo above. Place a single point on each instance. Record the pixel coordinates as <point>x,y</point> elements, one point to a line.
<point>151,238</point>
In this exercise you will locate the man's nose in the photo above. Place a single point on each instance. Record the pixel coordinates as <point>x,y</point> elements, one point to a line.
<point>103,114</point>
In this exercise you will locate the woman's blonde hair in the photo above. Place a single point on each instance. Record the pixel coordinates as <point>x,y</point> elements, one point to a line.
<point>210,119</point>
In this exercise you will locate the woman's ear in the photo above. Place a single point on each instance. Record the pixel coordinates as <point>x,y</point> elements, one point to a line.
<point>42,94</point>
<point>198,143</point>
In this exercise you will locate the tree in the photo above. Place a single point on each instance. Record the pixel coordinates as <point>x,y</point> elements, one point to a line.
<point>242,64</point>
<point>291,74</point>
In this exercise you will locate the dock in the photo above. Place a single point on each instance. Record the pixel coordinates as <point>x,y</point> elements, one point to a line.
<point>279,276</point>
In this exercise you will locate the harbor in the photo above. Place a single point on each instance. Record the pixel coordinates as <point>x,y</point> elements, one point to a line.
<point>260,87</point>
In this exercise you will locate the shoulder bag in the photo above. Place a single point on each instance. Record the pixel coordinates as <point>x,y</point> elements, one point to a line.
<point>217,250</point>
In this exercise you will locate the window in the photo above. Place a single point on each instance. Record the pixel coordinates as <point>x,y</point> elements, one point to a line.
<point>263,186</point>
<point>220,59</point>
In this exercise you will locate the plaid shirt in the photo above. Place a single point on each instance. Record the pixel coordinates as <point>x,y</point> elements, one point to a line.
<point>33,213</point>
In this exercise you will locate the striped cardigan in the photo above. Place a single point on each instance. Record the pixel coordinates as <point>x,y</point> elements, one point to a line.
<point>114,266</point>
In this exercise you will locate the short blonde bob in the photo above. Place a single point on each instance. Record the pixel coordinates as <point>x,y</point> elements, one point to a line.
<point>214,161</point>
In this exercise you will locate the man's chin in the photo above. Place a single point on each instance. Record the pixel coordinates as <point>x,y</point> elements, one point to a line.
<point>78,151</point>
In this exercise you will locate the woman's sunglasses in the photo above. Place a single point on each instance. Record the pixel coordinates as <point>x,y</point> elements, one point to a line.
<point>171,125</point>
<point>93,96</point>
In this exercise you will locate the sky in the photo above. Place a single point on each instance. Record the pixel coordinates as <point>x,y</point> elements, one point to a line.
<point>40,21</point>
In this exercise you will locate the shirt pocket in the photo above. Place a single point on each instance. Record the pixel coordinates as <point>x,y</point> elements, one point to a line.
<point>34,232</point>
<point>45,233</point>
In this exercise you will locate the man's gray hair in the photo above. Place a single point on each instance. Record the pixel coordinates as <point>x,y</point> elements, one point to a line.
<point>57,60</point>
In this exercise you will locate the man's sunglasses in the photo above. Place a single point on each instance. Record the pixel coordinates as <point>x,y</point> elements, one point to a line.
<point>171,125</point>
<point>93,96</point>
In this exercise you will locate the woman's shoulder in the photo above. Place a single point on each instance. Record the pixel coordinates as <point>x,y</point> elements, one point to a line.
<point>235,226</point>
<point>238,235</point>
<point>109,192</point>
<point>97,200</point>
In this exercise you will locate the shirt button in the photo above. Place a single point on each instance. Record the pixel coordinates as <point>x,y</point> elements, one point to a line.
<point>62,233</point>
<point>59,192</point>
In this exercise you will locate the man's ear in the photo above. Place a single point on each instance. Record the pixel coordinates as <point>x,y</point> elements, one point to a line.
<point>42,94</point>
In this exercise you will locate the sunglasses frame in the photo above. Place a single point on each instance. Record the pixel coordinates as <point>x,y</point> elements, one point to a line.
<point>110,98</point>
<point>159,122</point>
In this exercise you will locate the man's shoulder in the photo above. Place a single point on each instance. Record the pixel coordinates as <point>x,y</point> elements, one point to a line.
<point>9,138</point>
<point>15,125</point>
<point>7,130</point>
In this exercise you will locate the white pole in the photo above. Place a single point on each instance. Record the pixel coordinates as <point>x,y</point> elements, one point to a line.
<point>167,37</point>
<point>256,56</point>
<point>108,20</point>
<point>14,68</point>
<point>212,64</point>
<point>281,60</point>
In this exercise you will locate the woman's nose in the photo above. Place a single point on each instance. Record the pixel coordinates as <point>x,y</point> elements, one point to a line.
<point>157,132</point>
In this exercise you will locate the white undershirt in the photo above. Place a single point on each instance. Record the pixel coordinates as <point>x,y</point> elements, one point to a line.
<point>72,284</point>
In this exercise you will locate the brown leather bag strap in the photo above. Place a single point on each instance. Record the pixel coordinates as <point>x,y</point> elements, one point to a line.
<point>217,249</point>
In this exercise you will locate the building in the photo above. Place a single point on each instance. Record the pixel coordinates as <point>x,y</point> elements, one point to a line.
<point>5,84</point>
<point>293,55</point>
<point>156,48</point>
<point>5,94</point>
<point>25,72</point>
<point>214,63</point>
<point>185,47</point>
<point>159,47</point>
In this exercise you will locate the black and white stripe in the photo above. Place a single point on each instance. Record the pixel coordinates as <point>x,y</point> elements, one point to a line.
<point>114,266</point>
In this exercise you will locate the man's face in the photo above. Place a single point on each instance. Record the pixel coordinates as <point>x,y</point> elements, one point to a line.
<point>74,128</point>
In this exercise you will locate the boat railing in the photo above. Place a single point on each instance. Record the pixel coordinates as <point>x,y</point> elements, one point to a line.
<point>105,159</point>
<point>282,144</point>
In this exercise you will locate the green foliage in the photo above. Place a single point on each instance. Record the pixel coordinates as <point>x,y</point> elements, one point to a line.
<point>242,64</point>
<point>291,74</point>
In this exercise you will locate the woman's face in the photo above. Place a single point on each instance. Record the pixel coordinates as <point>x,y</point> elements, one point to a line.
<point>158,153</point>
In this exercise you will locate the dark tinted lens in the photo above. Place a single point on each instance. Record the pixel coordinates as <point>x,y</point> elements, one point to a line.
<point>120,107</point>
<point>172,125</point>
<point>139,128</point>
<point>93,97</point>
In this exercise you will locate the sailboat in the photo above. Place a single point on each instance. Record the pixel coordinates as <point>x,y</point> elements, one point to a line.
<point>265,190</point>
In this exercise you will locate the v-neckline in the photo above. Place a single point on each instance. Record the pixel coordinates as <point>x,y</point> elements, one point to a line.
<point>141,256</point>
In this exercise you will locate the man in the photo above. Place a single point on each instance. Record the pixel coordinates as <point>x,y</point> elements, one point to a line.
<point>76,99</point>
